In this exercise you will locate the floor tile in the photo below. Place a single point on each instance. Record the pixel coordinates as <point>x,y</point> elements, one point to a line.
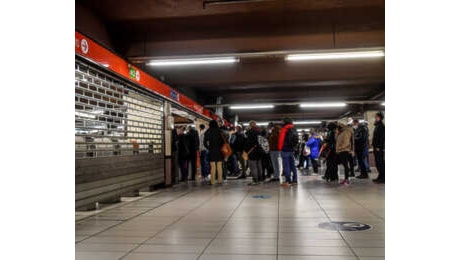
<point>303,250</point>
<point>99,247</point>
<point>154,256</point>
<point>238,257</point>
<point>370,251</point>
<point>328,257</point>
<point>98,255</point>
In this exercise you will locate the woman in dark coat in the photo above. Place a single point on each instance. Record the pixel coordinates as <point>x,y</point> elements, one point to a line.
<point>332,170</point>
<point>213,141</point>
<point>184,153</point>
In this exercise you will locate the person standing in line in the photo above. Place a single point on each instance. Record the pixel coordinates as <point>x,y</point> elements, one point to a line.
<point>329,153</point>
<point>184,153</point>
<point>314,143</point>
<point>255,152</point>
<point>361,140</point>
<point>194,147</point>
<point>225,132</point>
<point>204,160</point>
<point>237,145</point>
<point>267,166</point>
<point>301,146</point>
<point>275,152</point>
<point>174,149</point>
<point>288,140</point>
<point>344,149</point>
<point>213,141</point>
<point>378,144</point>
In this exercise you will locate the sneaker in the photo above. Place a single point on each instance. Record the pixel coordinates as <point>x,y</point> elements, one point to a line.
<point>268,180</point>
<point>253,183</point>
<point>345,182</point>
<point>286,184</point>
<point>294,183</point>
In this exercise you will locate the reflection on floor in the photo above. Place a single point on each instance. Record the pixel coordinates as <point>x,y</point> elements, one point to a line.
<point>197,221</point>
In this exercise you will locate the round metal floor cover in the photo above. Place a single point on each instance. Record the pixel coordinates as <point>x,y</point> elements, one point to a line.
<point>344,226</point>
<point>261,196</point>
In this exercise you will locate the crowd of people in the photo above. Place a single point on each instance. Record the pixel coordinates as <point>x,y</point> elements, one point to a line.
<point>257,151</point>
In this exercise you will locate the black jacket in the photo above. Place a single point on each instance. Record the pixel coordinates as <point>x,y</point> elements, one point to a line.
<point>183,147</point>
<point>378,139</point>
<point>361,137</point>
<point>252,142</point>
<point>237,142</point>
<point>193,141</point>
<point>213,141</point>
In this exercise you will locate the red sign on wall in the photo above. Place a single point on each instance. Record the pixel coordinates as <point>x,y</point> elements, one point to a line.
<point>91,50</point>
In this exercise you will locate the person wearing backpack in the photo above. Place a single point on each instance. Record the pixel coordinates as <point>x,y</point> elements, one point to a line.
<point>287,142</point>
<point>267,168</point>
<point>255,153</point>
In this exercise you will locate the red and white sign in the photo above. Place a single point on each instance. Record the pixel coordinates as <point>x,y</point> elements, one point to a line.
<point>91,50</point>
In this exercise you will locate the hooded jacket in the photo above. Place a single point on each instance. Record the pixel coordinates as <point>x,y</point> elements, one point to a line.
<point>361,137</point>
<point>345,139</point>
<point>288,138</point>
<point>314,143</point>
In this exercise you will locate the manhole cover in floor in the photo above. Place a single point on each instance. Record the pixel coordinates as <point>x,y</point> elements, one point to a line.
<point>344,226</point>
<point>261,196</point>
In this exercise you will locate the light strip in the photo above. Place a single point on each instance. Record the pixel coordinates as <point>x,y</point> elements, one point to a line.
<point>335,55</point>
<point>307,122</point>
<point>306,130</point>
<point>200,61</point>
<point>258,123</point>
<point>319,105</point>
<point>251,106</point>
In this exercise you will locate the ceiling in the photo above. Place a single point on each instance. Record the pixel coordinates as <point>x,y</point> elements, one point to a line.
<point>141,30</point>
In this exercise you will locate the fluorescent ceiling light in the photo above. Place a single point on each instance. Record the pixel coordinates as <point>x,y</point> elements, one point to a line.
<point>319,105</point>
<point>251,106</point>
<point>307,122</point>
<point>258,123</point>
<point>306,130</point>
<point>197,61</point>
<point>335,55</point>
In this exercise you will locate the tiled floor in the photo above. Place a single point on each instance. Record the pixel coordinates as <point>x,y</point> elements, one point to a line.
<point>194,221</point>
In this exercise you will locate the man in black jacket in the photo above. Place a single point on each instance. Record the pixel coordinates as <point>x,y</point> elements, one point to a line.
<point>237,142</point>
<point>378,143</point>
<point>361,134</point>
<point>193,148</point>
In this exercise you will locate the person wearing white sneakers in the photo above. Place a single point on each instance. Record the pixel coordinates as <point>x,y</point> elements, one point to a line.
<point>344,147</point>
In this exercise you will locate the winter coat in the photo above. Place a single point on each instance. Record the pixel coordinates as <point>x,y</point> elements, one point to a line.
<point>345,139</point>
<point>314,143</point>
<point>288,138</point>
<point>361,137</point>
<point>252,142</point>
<point>237,142</point>
<point>213,141</point>
<point>378,139</point>
<point>193,141</point>
<point>274,138</point>
<point>183,147</point>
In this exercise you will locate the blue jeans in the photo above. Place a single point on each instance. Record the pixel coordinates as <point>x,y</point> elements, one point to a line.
<point>288,166</point>
<point>274,155</point>
<point>204,161</point>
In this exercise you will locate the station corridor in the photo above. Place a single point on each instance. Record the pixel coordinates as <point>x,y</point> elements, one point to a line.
<point>237,221</point>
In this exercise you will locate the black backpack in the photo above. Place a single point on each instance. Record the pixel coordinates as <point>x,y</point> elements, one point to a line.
<point>292,138</point>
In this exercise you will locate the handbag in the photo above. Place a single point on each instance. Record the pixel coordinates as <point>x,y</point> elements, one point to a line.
<point>226,150</point>
<point>306,151</point>
<point>246,154</point>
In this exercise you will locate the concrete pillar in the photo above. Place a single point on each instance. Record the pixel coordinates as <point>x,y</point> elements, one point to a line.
<point>170,172</point>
